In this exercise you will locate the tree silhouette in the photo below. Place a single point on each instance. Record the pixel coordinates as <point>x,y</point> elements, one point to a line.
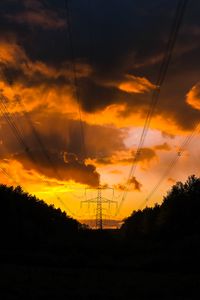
<point>24,219</point>
<point>178,215</point>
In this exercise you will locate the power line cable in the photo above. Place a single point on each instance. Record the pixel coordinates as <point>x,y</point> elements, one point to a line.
<point>11,122</point>
<point>172,163</point>
<point>9,119</point>
<point>38,139</point>
<point>75,77</point>
<point>156,92</point>
<point>3,171</point>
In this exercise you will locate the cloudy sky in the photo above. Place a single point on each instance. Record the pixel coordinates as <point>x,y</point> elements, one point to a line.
<point>96,61</point>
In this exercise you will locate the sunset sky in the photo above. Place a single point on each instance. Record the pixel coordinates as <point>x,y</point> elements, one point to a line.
<point>118,46</point>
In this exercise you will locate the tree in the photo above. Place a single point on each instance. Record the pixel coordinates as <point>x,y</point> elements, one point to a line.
<point>178,215</point>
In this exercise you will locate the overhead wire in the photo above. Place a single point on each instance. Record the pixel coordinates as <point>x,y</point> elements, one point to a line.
<point>9,119</point>
<point>17,133</point>
<point>19,137</point>
<point>156,92</point>
<point>3,171</point>
<point>172,163</point>
<point>75,78</point>
<point>38,139</point>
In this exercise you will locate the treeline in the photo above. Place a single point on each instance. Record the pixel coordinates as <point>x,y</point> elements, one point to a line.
<point>24,220</point>
<point>177,216</point>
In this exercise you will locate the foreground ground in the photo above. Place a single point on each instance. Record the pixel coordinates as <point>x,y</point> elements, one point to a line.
<point>102,270</point>
<point>36,282</point>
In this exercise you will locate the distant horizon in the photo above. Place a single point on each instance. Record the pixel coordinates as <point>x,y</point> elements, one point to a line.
<point>106,223</point>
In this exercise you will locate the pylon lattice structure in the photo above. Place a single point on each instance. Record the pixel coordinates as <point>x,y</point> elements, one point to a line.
<point>99,220</point>
<point>99,201</point>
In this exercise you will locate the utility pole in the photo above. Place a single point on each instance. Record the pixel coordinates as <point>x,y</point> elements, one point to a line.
<point>99,201</point>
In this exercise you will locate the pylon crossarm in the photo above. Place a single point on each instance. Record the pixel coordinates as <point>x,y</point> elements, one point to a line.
<point>108,200</point>
<point>105,215</point>
<point>94,200</point>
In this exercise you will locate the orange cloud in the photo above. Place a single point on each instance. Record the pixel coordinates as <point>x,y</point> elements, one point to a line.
<point>127,157</point>
<point>163,146</point>
<point>39,84</point>
<point>134,84</point>
<point>39,68</point>
<point>18,175</point>
<point>10,53</point>
<point>115,171</point>
<point>145,155</point>
<point>49,189</point>
<point>13,56</point>
<point>62,169</point>
<point>193,96</point>
<point>36,83</point>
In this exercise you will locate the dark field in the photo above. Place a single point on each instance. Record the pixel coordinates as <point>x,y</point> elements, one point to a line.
<point>109,271</point>
<point>35,282</point>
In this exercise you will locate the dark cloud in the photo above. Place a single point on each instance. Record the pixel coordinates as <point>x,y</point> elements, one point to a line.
<point>101,141</point>
<point>116,39</point>
<point>145,155</point>
<point>96,96</point>
<point>72,169</point>
<point>167,135</point>
<point>120,187</point>
<point>163,146</point>
<point>103,161</point>
<point>137,185</point>
<point>39,18</point>
<point>61,149</point>
<point>133,184</point>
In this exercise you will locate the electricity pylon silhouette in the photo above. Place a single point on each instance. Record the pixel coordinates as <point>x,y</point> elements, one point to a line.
<point>99,220</point>
<point>99,201</point>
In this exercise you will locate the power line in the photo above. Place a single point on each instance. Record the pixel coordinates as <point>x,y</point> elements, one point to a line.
<point>11,122</point>
<point>75,77</point>
<point>156,92</point>
<point>3,171</point>
<point>38,139</point>
<point>35,133</point>
<point>9,119</point>
<point>7,175</point>
<point>16,131</point>
<point>172,163</point>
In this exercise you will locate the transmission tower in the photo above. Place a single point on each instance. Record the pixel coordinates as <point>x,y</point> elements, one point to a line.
<point>99,220</point>
<point>99,201</point>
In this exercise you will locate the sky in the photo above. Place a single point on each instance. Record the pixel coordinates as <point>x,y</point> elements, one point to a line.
<point>76,86</point>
